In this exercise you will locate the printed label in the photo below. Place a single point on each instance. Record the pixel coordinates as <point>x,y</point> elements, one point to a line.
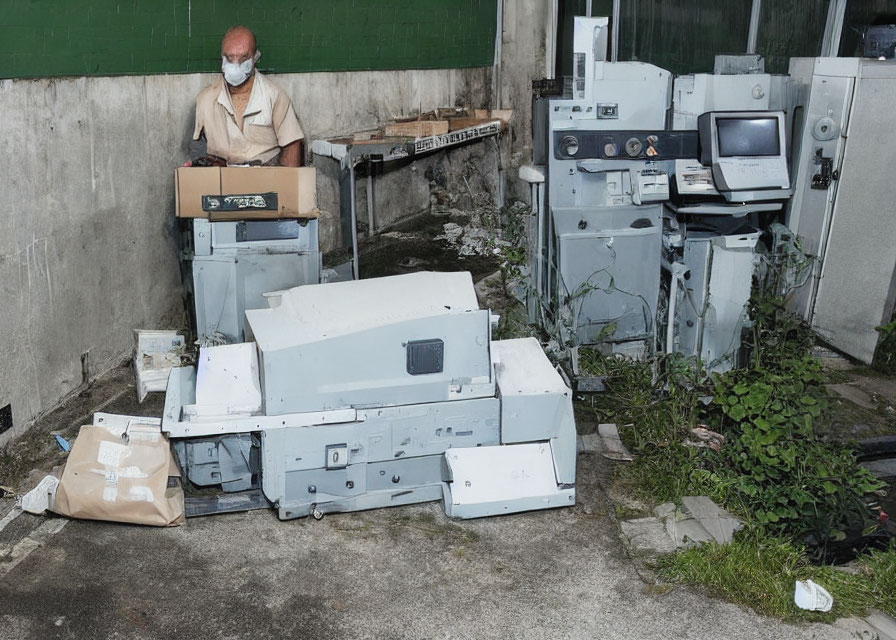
<point>110,453</point>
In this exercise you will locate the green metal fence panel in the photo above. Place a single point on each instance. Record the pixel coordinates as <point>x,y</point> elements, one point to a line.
<point>111,37</point>
<point>682,36</point>
<point>789,29</point>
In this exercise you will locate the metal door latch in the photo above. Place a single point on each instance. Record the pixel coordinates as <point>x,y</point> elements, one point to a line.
<point>822,179</point>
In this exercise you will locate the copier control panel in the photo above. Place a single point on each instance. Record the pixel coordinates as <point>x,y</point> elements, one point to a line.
<point>624,145</point>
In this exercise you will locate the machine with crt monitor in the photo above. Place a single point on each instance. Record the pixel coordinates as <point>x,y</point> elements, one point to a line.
<point>746,151</point>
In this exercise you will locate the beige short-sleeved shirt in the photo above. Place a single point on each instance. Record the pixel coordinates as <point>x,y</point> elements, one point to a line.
<point>269,122</point>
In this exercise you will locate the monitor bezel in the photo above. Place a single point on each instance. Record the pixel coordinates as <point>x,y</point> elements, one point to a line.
<point>715,116</point>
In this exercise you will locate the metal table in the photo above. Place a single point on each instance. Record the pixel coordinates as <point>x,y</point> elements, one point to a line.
<point>351,153</point>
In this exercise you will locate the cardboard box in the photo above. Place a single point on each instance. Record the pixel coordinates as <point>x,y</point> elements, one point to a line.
<point>455,124</point>
<point>190,184</point>
<point>417,128</point>
<point>295,188</point>
<point>503,115</point>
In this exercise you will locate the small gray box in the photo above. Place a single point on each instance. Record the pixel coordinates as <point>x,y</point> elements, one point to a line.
<point>425,356</point>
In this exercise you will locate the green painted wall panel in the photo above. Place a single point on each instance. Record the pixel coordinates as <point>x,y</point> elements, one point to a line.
<point>110,37</point>
<point>789,29</point>
<point>682,36</point>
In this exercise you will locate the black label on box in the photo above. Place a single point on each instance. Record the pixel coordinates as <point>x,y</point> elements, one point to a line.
<point>240,202</point>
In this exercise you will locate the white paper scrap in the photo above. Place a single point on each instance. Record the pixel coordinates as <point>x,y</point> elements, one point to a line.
<point>110,453</point>
<point>40,497</point>
<point>140,494</point>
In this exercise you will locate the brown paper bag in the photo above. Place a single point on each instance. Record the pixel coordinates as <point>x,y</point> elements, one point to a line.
<point>121,479</point>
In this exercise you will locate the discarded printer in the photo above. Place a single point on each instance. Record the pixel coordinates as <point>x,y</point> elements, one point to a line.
<point>365,394</point>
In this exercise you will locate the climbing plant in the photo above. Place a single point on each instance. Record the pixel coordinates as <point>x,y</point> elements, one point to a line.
<point>885,353</point>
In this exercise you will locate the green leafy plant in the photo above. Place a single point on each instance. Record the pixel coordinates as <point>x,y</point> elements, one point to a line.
<point>655,405</point>
<point>788,479</point>
<point>791,487</point>
<point>777,335</point>
<point>774,469</point>
<point>885,352</point>
<point>774,463</point>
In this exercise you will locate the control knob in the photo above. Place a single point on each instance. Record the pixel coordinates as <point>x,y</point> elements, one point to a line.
<point>569,145</point>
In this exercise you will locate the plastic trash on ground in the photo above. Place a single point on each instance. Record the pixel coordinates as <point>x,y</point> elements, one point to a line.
<point>64,444</point>
<point>40,497</point>
<point>812,597</point>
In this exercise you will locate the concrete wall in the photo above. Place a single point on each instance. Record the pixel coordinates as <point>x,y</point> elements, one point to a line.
<point>89,253</point>
<point>526,27</point>
<point>348,102</point>
<point>402,189</point>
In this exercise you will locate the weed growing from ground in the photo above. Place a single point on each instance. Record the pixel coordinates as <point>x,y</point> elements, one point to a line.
<point>789,486</point>
<point>759,571</point>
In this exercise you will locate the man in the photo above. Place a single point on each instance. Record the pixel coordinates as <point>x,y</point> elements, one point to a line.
<point>246,118</point>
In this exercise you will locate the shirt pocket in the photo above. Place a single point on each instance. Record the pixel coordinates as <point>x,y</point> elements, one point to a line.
<point>261,135</point>
<point>263,118</point>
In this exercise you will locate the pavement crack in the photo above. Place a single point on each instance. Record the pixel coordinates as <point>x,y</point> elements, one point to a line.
<point>12,556</point>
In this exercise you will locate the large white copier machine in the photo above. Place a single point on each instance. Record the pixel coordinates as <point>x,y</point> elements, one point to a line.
<point>372,393</point>
<point>656,188</point>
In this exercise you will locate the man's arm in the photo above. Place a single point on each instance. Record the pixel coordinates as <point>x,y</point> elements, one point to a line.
<point>291,154</point>
<point>288,131</point>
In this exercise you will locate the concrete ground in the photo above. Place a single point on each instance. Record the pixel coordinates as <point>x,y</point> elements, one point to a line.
<point>405,572</point>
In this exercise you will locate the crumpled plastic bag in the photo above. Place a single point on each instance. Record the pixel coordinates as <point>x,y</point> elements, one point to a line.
<point>811,596</point>
<point>39,499</point>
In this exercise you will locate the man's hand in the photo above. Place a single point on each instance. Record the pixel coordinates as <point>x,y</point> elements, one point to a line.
<point>291,154</point>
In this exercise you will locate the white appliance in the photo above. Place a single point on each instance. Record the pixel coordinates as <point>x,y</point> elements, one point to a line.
<point>842,207</point>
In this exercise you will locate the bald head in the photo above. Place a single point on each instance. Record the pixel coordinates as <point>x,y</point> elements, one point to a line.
<point>238,44</point>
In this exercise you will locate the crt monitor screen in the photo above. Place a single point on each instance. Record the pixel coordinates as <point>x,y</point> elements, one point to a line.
<point>748,137</point>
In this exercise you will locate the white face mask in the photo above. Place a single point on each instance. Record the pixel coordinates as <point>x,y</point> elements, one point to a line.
<point>236,73</point>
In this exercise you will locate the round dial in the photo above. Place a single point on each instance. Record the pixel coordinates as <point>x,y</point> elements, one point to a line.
<point>569,145</point>
<point>633,147</point>
<point>611,150</point>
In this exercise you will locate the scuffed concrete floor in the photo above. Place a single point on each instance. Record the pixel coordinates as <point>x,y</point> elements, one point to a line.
<point>28,458</point>
<point>406,572</point>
